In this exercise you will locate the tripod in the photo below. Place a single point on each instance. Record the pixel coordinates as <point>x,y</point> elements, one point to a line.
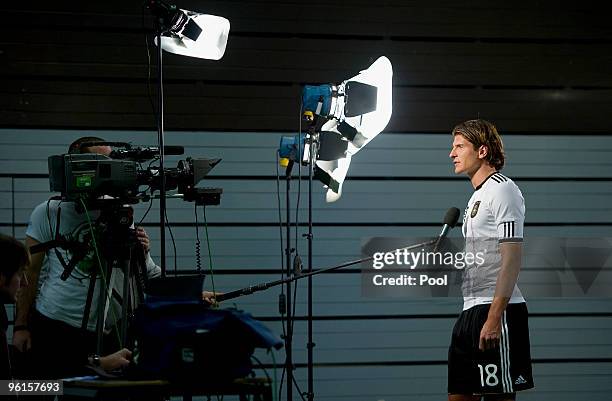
<point>120,252</point>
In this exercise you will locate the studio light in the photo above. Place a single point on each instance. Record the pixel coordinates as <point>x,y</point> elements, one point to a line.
<point>192,34</point>
<point>354,112</point>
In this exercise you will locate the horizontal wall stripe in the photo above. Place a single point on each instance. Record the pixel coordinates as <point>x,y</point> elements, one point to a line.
<point>426,316</point>
<point>341,224</point>
<point>352,178</point>
<point>440,362</point>
<point>303,318</point>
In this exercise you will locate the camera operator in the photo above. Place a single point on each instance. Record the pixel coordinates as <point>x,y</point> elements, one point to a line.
<point>50,311</point>
<point>12,281</point>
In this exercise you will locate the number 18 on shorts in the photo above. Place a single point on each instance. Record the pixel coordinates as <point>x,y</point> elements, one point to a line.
<point>504,369</point>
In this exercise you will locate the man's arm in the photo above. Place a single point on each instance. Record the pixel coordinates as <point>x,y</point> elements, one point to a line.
<point>25,302</point>
<point>152,269</point>
<point>511,255</point>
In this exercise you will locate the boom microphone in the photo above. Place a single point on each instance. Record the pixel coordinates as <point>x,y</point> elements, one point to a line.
<point>450,220</point>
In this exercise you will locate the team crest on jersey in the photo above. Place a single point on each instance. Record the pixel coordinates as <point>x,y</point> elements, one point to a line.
<point>475,209</point>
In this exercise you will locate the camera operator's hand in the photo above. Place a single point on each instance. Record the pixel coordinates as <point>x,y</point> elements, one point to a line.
<point>143,238</point>
<point>209,297</point>
<point>22,340</point>
<point>118,360</point>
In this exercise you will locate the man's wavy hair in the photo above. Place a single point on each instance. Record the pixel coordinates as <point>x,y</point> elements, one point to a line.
<point>479,133</point>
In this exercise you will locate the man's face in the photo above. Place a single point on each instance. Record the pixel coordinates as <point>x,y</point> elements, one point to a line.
<point>466,159</point>
<point>10,288</point>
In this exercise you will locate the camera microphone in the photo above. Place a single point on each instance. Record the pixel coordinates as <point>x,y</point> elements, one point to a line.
<point>148,153</point>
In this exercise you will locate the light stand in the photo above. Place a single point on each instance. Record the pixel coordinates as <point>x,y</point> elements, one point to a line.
<point>313,142</point>
<point>189,34</point>
<point>288,303</point>
<point>160,139</point>
<point>342,119</point>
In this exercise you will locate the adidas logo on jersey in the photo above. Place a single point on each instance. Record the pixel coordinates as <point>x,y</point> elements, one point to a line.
<point>520,380</point>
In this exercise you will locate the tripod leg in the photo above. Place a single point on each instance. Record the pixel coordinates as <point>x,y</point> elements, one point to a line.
<point>126,304</point>
<point>89,300</point>
<point>103,298</point>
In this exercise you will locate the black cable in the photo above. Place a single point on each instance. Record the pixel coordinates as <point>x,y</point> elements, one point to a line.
<point>148,63</point>
<point>49,219</point>
<point>300,150</point>
<point>297,210</point>
<point>282,380</point>
<point>197,244</point>
<point>299,192</point>
<point>146,212</point>
<point>262,367</point>
<point>210,260</point>
<point>295,287</point>
<point>173,242</point>
<point>280,387</point>
<point>298,388</point>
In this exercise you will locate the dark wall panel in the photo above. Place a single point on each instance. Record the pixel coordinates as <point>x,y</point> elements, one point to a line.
<point>531,67</point>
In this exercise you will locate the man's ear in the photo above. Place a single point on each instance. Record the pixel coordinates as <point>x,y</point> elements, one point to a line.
<point>483,151</point>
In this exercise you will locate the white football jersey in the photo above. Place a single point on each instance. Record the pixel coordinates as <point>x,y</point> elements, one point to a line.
<point>495,213</point>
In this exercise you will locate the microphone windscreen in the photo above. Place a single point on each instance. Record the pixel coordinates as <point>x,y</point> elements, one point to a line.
<point>452,216</point>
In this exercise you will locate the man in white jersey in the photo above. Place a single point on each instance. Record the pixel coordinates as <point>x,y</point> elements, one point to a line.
<point>489,355</point>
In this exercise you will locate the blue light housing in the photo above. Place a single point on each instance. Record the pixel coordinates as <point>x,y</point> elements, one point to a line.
<point>313,95</point>
<point>292,147</point>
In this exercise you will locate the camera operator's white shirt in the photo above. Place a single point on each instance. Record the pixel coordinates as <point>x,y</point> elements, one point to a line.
<point>495,214</point>
<point>65,300</point>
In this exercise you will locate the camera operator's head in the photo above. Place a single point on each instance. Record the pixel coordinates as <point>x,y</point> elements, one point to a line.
<point>15,258</point>
<point>75,147</point>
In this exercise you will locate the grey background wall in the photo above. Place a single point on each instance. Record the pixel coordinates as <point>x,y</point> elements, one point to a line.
<point>539,70</point>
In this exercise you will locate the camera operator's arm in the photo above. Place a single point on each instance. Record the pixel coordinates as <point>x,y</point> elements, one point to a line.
<point>25,301</point>
<point>152,269</point>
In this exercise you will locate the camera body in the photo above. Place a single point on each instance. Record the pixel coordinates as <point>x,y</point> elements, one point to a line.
<point>78,175</point>
<point>91,176</point>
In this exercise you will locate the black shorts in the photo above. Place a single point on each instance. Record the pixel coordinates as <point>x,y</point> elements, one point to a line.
<point>505,369</point>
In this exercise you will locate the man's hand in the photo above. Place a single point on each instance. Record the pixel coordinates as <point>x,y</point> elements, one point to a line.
<point>22,340</point>
<point>143,238</point>
<point>490,334</point>
<point>118,360</point>
<point>209,297</point>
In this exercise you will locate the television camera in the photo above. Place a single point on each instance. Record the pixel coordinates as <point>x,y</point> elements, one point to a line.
<point>120,175</point>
